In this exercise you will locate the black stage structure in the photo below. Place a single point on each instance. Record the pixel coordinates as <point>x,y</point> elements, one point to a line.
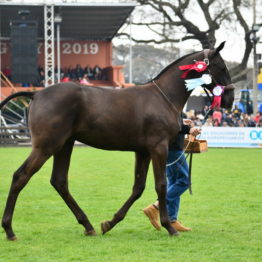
<point>76,20</point>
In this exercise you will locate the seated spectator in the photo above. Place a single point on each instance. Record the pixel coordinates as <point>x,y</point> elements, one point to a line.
<point>224,124</point>
<point>97,72</point>
<point>259,124</point>
<point>251,123</point>
<point>234,119</point>
<point>258,116</point>
<point>205,111</point>
<point>245,118</point>
<point>209,121</point>
<point>240,123</point>
<point>40,68</point>
<point>71,73</point>
<point>56,74</point>
<point>217,117</point>
<point>79,72</point>
<point>229,120</point>
<point>88,70</point>
<point>237,112</point>
<point>40,82</point>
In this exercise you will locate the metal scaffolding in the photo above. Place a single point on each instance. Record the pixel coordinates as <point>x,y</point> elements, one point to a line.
<point>49,45</point>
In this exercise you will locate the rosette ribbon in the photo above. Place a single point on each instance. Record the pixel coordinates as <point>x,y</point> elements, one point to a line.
<point>191,84</point>
<point>217,92</point>
<point>198,66</point>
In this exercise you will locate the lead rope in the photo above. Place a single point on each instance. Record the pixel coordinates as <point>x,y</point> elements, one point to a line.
<point>165,96</point>
<point>206,60</point>
<point>188,143</point>
<point>191,156</point>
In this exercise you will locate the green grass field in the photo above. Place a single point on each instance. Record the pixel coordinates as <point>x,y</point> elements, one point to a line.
<point>225,211</point>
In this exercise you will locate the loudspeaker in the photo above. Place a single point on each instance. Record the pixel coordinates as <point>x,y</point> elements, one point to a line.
<point>24,51</point>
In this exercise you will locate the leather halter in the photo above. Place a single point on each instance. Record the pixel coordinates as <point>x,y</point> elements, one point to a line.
<point>206,60</point>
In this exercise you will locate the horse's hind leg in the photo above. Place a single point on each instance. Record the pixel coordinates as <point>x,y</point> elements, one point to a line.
<point>20,178</point>
<point>59,180</point>
<point>141,168</point>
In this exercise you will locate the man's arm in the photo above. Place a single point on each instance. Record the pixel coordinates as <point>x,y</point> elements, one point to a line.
<point>188,128</point>
<point>194,131</point>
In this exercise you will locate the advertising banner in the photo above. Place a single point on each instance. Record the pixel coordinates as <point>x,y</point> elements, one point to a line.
<point>232,136</point>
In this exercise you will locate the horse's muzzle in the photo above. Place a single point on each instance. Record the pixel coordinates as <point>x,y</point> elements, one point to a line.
<point>228,97</point>
<point>230,87</point>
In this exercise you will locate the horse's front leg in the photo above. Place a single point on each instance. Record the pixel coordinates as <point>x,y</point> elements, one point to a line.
<point>141,168</point>
<point>159,157</point>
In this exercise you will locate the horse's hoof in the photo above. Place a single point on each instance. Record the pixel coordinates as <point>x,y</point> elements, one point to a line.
<point>105,227</point>
<point>13,238</point>
<point>91,233</point>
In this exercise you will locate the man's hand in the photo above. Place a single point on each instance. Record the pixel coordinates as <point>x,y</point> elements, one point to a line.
<point>194,131</point>
<point>188,122</point>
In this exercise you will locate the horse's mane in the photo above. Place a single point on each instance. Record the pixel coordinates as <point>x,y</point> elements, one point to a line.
<point>173,63</point>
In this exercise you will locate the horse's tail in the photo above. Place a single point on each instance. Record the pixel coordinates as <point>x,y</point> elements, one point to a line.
<point>27,94</point>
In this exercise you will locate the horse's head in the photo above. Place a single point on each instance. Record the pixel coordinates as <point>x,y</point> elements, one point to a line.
<point>206,69</point>
<point>220,75</point>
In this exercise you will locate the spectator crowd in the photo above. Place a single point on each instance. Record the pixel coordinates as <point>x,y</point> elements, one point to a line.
<point>70,73</point>
<point>78,73</point>
<point>225,118</point>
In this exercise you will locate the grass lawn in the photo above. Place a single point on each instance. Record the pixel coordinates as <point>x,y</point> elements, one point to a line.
<point>225,211</point>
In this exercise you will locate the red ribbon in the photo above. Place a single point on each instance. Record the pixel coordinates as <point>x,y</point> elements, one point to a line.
<point>216,102</point>
<point>198,66</point>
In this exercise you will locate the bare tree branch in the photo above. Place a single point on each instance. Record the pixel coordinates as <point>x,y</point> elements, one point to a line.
<point>162,41</point>
<point>159,23</point>
<point>172,15</point>
<point>248,49</point>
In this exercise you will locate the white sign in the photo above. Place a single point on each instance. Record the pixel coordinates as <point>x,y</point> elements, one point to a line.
<point>232,136</point>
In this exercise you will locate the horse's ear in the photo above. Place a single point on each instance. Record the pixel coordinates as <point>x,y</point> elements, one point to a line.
<point>219,48</point>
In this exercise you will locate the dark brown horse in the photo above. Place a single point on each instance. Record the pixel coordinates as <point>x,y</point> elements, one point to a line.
<point>144,119</point>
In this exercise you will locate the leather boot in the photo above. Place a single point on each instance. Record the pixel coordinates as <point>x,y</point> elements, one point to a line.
<point>153,214</point>
<point>179,227</point>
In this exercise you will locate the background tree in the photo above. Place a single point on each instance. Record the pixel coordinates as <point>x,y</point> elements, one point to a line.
<point>181,20</point>
<point>147,60</point>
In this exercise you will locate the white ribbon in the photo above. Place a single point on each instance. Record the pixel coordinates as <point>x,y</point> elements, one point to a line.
<point>218,90</point>
<point>191,84</point>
